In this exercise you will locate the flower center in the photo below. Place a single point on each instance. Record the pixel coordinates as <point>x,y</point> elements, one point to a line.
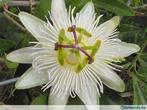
<point>74,51</point>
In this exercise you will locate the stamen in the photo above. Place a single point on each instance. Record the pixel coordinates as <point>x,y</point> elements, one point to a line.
<point>57,46</point>
<point>69,44</point>
<point>73,29</point>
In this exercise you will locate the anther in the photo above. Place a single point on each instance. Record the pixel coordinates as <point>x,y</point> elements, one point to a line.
<point>90,60</point>
<point>56,46</point>
<point>72,28</point>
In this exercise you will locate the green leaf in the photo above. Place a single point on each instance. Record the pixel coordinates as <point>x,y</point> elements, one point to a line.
<point>5,45</point>
<point>111,99</point>
<point>143,69</point>
<point>11,65</point>
<point>142,73</point>
<point>43,8</point>
<point>40,100</point>
<point>136,2</point>
<point>2,2</point>
<point>139,91</point>
<point>76,3</point>
<point>114,6</point>
<point>128,28</point>
<point>143,59</point>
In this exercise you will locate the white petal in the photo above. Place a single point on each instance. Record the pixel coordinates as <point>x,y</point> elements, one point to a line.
<point>59,13</point>
<point>127,49</point>
<point>31,78</point>
<point>107,28</point>
<point>22,55</point>
<point>117,49</point>
<point>56,100</point>
<point>86,16</point>
<point>58,8</point>
<point>109,77</point>
<point>89,97</point>
<point>35,26</point>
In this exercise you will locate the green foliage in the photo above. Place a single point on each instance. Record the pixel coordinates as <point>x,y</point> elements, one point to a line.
<point>11,65</point>
<point>111,99</point>
<point>2,2</point>
<point>43,8</point>
<point>40,100</point>
<point>114,6</point>
<point>137,2</point>
<point>5,45</point>
<point>140,84</point>
<point>139,91</point>
<point>76,3</point>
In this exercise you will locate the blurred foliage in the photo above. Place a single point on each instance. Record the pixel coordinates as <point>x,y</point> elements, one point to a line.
<point>40,100</point>
<point>115,6</point>
<point>43,8</point>
<point>133,28</point>
<point>2,2</point>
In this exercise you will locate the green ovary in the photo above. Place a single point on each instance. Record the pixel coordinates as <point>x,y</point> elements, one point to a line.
<point>72,56</point>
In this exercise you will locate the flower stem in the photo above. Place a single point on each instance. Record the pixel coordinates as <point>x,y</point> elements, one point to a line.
<point>9,81</point>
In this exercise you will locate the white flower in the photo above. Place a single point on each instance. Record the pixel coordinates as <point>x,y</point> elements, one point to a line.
<point>73,55</point>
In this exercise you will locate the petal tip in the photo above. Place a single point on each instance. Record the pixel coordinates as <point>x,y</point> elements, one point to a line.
<point>11,57</point>
<point>22,13</point>
<point>31,79</point>
<point>122,87</point>
<point>90,4</point>
<point>19,85</point>
<point>116,20</point>
<point>137,48</point>
<point>19,56</point>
